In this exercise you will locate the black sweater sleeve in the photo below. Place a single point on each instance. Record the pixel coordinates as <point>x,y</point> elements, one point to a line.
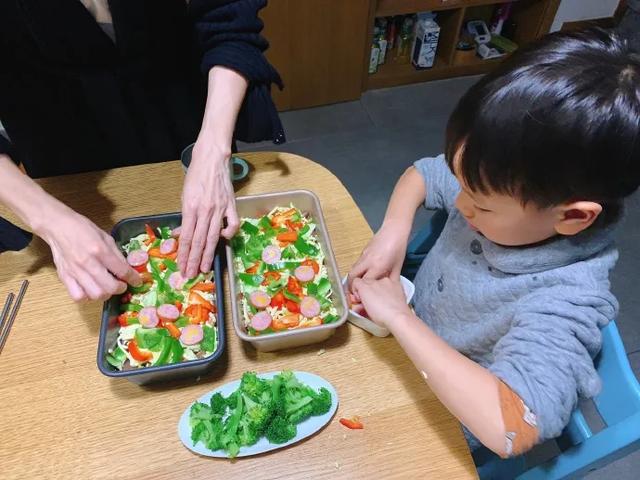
<point>5,146</point>
<point>228,33</point>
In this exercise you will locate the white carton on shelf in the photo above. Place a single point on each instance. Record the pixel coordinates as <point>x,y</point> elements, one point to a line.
<point>425,42</point>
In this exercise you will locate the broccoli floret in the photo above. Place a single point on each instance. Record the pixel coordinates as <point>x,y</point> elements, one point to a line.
<point>257,414</point>
<point>248,434</point>
<point>206,427</point>
<point>218,404</point>
<point>229,437</point>
<point>280,430</point>
<point>301,414</point>
<point>322,402</point>
<point>253,386</point>
<point>232,400</point>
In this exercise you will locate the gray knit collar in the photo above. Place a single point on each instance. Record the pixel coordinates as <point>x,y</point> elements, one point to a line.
<point>556,252</point>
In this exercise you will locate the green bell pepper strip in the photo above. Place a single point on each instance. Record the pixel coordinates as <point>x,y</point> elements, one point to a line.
<point>165,233</point>
<point>144,288</point>
<point>151,338</point>
<point>312,289</point>
<point>163,358</point>
<point>330,319</point>
<point>193,281</point>
<point>182,321</point>
<point>170,264</point>
<point>249,228</point>
<point>324,285</point>
<point>114,362</point>
<point>305,248</point>
<point>291,296</point>
<point>119,354</point>
<point>253,280</point>
<point>130,307</point>
<point>208,343</point>
<point>265,223</point>
<point>177,351</point>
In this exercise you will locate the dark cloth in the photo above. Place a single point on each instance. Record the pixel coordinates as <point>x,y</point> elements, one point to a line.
<point>72,101</point>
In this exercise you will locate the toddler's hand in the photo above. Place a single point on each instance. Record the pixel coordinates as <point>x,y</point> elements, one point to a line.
<point>383,299</point>
<point>383,257</point>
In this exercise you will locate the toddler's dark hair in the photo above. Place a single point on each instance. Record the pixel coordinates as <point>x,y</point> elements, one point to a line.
<point>557,122</point>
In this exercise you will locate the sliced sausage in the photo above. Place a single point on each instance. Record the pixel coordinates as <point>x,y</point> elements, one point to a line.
<point>259,299</point>
<point>177,281</point>
<point>168,246</point>
<point>148,317</point>
<point>192,334</point>
<point>168,312</point>
<point>271,254</point>
<point>309,307</point>
<point>261,321</point>
<point>304,273</point>
<point>137,258</point>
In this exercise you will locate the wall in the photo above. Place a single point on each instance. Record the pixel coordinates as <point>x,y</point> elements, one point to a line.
<point>574,10</point>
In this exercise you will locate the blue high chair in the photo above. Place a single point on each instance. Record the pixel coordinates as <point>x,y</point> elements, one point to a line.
<point>581,449</point>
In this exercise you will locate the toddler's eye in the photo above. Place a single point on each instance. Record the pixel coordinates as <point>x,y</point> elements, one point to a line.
<point>482,209</point>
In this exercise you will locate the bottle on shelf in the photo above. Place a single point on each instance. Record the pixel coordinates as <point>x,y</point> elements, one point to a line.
<point>405,39</point>
<point>375,56</point>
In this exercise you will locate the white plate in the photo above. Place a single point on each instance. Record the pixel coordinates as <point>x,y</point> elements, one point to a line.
<point>305,429</point>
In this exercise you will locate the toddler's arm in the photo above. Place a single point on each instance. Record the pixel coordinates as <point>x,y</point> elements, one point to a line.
<point>385,253</point>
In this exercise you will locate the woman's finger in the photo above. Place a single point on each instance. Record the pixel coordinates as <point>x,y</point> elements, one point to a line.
<point>118,266</point>
<point>89,285</point>
<point>186,236</point>
<point>198,243</point>
<point>213,235</point>
<point>107,284</point>
<point>76,292</point>
<point>233,222</point>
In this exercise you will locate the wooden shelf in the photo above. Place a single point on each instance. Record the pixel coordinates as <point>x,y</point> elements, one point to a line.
<point>388,8</point>
<point>391,74</point>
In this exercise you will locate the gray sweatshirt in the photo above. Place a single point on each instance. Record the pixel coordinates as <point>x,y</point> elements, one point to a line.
<point>531,315</point>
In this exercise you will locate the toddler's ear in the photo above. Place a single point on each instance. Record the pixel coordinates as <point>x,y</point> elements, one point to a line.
<point>577,216</point>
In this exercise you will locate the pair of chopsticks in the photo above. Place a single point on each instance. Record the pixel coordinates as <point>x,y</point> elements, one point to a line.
<point>6,318</point>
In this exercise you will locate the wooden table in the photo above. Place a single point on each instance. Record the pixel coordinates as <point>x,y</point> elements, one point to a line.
<point>60,418</point>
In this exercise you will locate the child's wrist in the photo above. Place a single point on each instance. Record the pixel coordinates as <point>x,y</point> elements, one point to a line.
<point>401,322</point>
<point>400,226</point>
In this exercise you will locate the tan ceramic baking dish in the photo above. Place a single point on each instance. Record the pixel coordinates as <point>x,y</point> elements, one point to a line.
<point>256,206</point>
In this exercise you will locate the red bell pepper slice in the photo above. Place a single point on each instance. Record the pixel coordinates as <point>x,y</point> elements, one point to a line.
<point>137,354</point>
<point>353,423</point>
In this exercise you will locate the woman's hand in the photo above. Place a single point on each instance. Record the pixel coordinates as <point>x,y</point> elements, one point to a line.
<point>207,199</point>
<point>88,261</point>
<point>384,300</point>
<point>382,257</point>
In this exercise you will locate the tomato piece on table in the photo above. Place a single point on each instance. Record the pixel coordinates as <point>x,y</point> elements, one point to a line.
<point>353,423</point>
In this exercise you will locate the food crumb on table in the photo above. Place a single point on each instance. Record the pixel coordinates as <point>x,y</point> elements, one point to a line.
<point>337,465</point>
<point>322,351</point>
<point>353,359</point>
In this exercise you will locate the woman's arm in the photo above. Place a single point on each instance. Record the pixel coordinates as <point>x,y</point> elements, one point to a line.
<point>228,32</point>
<point>87,259</point>
<point>208,196</point>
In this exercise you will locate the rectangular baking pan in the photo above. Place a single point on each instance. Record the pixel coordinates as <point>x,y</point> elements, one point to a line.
<point>122,232</point>
<point>256,206</point>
